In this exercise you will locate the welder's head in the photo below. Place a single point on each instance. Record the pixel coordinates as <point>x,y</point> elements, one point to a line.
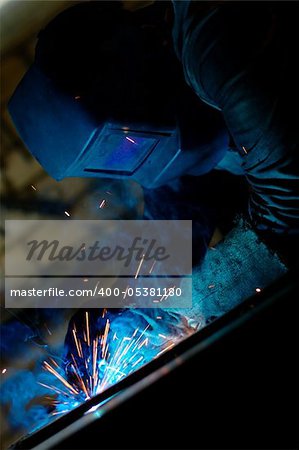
<point>118,63</point>
<point>101,98</point>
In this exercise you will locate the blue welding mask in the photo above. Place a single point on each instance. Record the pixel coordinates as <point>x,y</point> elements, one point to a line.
<point>86,109</point>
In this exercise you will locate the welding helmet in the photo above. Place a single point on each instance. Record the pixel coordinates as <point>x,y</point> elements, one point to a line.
<point>106,97</point>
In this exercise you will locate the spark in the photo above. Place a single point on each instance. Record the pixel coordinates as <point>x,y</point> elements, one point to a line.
<point>99,362</point>
<point>153,265</point>
<point>55,389</point>
<point>126,291</point>
<point>165,349</point>
<point>140,264</point>
<point>166,295</point>
<point>135,332</point>
<point>109,193</point>
<point>77,344</point>
<point>105,336</point>
<point>159,318</point>
<point>85,280</point>
<point>59,412</point>
<point>143,332</point>
<point>102,204</point>
<point>67,213</point>
<point>47,328</point>
<point>53,362</point>
<point>87,328</point>
<point>258,289</point>
<point>77,97</point>
<point>131,140</point>
<point>48,367</point>
<point>33,187</point>
<point>244,150</point>
<point>138,361</point>
<point>4,370</point>
<point>211,286</point>
<point>145,342</point>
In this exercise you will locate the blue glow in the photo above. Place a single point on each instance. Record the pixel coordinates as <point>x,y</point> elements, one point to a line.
<point>120,151</point>
<point>34,398</point>
<point>236,269</point>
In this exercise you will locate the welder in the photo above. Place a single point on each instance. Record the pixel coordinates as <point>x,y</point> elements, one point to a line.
<point>168,90</point>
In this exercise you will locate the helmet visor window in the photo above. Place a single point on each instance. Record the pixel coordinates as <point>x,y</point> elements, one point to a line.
<point>121,152</point>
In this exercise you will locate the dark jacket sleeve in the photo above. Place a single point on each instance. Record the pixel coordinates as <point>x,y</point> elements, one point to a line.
<point>240,58</point>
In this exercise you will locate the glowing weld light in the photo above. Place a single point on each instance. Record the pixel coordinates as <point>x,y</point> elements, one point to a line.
<point>258,290</point>
<point>67,213</point>
<point>4,370</point>
<point>99,362</point>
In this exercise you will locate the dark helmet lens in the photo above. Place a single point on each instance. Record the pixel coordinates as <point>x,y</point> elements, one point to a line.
<point>122,152</point>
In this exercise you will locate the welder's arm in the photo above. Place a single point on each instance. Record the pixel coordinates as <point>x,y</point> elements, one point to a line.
<point>250,75</point>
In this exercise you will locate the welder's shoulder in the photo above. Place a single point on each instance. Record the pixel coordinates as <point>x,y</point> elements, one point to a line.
<point>234,41</point>
<point>240,57</point>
